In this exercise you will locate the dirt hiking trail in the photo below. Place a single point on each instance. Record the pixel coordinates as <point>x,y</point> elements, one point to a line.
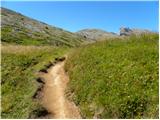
<point>53,99</point>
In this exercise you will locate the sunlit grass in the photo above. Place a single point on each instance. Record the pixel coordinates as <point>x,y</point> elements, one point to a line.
<point>116,79</point>
<point>19,67</point>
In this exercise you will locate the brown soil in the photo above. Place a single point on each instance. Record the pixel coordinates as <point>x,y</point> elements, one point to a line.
<point>53,94</point>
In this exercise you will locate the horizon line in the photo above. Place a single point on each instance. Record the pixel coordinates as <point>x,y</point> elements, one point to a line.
<point>157,31</point>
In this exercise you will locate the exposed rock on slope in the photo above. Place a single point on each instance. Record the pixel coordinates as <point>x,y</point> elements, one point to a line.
<point>124,31</point>
<point>19,29</point>
<point>96,34</point>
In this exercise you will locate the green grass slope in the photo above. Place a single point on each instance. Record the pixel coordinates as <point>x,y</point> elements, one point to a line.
<point>116,79</point>
<point>19,67</point>
<point>27,45</point>
<point>19,29</point>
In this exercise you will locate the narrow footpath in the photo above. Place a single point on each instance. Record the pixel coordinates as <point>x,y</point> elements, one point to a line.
<point>54,100</point>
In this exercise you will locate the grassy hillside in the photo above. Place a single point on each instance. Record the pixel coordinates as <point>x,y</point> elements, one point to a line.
<point>27,45</point>
<point>116,79</point>
<point>19,67</point>
<point>19,29</point>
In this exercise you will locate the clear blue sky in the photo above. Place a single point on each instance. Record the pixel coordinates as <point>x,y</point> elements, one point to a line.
<point>74,16</point>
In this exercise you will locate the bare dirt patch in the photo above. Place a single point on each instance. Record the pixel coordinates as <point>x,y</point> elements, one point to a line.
<point>53,93</point>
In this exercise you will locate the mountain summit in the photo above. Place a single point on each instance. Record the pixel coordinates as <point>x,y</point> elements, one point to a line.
<point>125,31</point>
<point>95,34</point>
<point>19,29</point>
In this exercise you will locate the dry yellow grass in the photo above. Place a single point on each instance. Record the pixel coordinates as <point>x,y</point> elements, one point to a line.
<point>21,49</point>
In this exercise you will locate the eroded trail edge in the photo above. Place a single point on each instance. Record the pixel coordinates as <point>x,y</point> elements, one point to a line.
<point>53,93</point>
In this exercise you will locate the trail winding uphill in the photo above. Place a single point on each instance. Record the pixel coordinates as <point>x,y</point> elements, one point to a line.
<point>53,92</point>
